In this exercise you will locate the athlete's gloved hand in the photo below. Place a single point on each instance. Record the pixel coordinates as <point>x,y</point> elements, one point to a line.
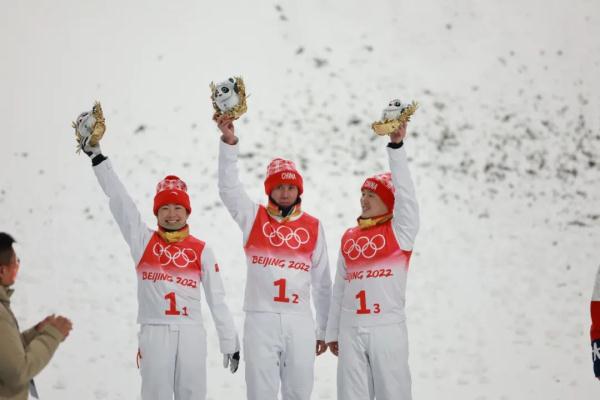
<point>87,148</point>
<point>89,129</point>
<point>231,360</point>
<point>596,357</point>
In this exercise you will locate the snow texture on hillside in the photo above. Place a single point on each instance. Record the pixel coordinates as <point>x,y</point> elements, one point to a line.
<point>504,150</point>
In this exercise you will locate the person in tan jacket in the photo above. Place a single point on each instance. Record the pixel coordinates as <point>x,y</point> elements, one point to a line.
<point>22,355</point>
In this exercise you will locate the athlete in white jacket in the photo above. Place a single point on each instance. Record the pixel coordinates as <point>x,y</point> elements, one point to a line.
<point>171,267</point>
<point>286,258</point>
<point>366,325</point>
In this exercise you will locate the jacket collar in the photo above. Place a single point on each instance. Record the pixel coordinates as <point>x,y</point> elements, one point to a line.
<point>275,212</point>
<point>174,236</point>
<point>5,293</point>
<point>366,223</point>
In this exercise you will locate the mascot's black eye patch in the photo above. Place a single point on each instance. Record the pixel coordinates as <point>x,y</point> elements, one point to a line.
<point>225,89</point>
<point>397,104</point>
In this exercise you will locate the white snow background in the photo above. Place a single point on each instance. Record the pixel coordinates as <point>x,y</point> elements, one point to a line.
<point>505,154</point>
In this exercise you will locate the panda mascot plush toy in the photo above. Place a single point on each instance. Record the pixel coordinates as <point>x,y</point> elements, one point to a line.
<point>229,98</point>
<point>89,127</point>
<point>393,116</point>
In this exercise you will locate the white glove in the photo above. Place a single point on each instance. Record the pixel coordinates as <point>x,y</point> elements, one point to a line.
<point>232,361</point>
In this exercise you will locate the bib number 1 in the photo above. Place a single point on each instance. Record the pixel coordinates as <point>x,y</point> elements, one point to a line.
<point>362,300</point>
<point>170,297</point>
<point>281,297</point>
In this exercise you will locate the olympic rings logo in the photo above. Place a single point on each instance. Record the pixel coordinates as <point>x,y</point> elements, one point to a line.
<point>293,238</point>
<point>363,246</point>
<point>180,258</point>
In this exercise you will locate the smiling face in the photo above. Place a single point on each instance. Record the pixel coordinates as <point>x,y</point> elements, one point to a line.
<point>172,217</point>
<point>285,195</point>
<point>372,205</point>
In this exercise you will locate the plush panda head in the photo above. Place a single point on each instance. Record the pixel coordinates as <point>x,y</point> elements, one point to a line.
<point>393,110</point>
<point>84,124</point>
<point>226,95</point>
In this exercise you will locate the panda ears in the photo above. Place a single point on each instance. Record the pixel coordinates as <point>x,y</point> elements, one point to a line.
<point>235,85</point>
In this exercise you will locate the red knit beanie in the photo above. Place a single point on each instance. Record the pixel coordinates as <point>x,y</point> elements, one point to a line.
<point>282,172</point>
<point>171,190</point>
<point>382,186</point>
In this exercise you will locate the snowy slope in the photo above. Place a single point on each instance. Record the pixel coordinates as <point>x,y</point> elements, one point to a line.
<point>505,153</point>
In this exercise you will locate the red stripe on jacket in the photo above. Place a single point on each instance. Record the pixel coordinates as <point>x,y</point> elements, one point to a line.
<point>595,312</point>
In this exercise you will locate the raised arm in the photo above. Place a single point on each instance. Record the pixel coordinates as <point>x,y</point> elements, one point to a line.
<point>406,208</point>
<point>135,232</point>
<point>321,283</point>
<point>232,192</point>
<point>215,297</point>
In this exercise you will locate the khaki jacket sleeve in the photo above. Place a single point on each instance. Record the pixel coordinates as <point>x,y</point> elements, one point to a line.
<point>19,365</point>
<point>29,335</point>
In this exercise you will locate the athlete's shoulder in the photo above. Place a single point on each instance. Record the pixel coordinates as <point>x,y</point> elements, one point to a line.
<point>309,218</point>
<point>194,240</point>
<point>351,231</point>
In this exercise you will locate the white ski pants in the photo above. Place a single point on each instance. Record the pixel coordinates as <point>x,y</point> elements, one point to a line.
<point>373,363</point>
<point>173,362</point>
<point>279,348</point>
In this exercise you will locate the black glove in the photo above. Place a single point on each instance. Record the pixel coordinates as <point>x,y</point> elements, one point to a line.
<point>596,357</point>
<point>231,360</point>
<point>93,152</point>
<point>87,148</point>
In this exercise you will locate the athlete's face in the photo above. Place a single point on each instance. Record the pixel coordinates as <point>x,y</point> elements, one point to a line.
<point>172,217</point>
<point>285,195</point>
<point>8,273</point>
<point>372,205</point>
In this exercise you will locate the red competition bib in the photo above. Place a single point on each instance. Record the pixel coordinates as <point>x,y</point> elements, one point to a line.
<point>169,280</point>
<point>363,248</point>
<point>375,281</point>
<point>279,258</point>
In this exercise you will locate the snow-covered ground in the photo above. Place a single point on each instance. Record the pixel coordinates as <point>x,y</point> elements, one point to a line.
<point>505,153</point>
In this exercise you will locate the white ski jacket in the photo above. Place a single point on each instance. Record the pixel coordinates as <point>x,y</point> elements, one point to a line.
<point>286,259</point>
<point>372,268</point>
<point>169,274</point>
